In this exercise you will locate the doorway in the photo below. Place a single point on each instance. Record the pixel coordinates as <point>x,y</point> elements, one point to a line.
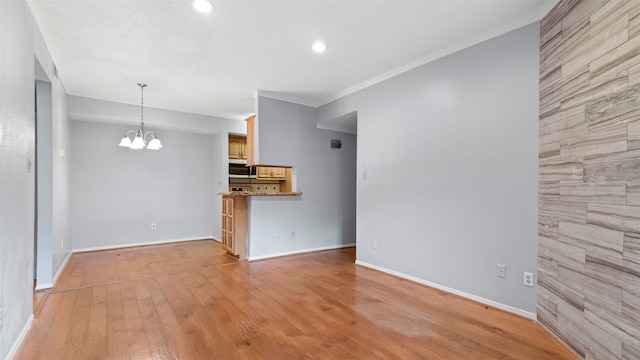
<point>43,219</point>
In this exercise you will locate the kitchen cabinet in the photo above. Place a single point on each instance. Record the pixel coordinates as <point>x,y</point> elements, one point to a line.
<point>271,172</point>
<point>250,140</point>
<point>237,147</point>
<point>234,225</point>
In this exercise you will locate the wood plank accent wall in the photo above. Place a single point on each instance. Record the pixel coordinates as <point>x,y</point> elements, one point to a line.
<point>589,177</point>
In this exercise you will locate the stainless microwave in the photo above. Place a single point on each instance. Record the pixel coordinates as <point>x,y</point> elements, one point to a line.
<point>241,171</point>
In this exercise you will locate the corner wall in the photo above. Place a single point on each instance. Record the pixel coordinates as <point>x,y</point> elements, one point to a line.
<point>447,170</point>
<point>324,215</point>
<point>208,174</point>
<point>589,177</point>
<point>17,172</point>
<point>118,192</point>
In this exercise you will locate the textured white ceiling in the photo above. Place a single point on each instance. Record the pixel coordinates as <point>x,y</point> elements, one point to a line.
<point>213,63</point>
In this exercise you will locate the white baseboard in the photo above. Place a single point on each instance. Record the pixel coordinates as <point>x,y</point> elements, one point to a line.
<point>64,263</point>
<point>495,304</point>
<point>269,256</point>
<point>55,278</point>
<point>111,247</point>
<point>20,339</point>
<point>43,286</point>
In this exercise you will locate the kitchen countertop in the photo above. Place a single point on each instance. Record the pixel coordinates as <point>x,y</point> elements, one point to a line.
<point>238,193</point>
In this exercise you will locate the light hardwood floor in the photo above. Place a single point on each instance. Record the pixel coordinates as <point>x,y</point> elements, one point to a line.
<point>193,301</point>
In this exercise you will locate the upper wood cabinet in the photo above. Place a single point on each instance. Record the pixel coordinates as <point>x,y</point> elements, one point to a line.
<point>271,172</point>
<point>237,147</point>
<point>250,140</point>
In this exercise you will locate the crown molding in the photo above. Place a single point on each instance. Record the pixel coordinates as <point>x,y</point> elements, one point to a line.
<point>513,25</point>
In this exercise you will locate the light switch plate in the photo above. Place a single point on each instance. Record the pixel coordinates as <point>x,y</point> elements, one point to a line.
<point>501,271</point>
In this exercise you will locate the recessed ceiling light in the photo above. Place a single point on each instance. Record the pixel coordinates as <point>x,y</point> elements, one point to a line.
<point>319,46</point>
<point>203,6</point>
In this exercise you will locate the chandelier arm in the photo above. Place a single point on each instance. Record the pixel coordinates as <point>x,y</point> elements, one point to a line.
<point>134,132</point>
<point>150,132</point>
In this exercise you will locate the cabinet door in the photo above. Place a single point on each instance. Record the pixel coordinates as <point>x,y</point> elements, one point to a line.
<point>243,149</point>
<point>227,224</point>
<point>236,147</point>
<point>264,171</point>
<point>278,172</point>
<point>271,172</point>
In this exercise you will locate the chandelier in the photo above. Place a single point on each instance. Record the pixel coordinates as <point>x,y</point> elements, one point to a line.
<point>139,139</point>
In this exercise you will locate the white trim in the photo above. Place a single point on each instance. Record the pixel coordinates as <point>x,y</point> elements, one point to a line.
<point>199,112</point>
<point>513,25</point>
<point>20,339</point>
<point>98,248</point>
<point>495,304</point>
<point>43,286</point>
<point>55,278</point>
<point>331,247</point>
<point>287,98</point>
<point>64,263</point>
<point>74,116</point>
<point>338,128</point>
<point>464,44</point>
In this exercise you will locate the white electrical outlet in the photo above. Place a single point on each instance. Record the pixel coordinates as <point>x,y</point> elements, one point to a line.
<point>153,226</point>
<point>374,244</point>
<point>62,243</point>
<point>528,279</point>
<point>501,271</point>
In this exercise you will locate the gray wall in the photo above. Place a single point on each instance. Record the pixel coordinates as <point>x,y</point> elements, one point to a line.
<point>449,150</point>
<point>62,241</point>
<point>44,256</point>
<point>17,182</point>
<point>21,42</point>
<point>324,216</point>
<point>94,111</point>
<point>220,166</point>
<point>119,192</point>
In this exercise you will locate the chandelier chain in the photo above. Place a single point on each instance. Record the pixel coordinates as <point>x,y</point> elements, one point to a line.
<point>142,86</point>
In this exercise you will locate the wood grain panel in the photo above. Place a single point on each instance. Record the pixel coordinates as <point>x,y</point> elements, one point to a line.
<point>618,107</point>
<point>571,322</point>
<point>563,210</point>
<point>618,217</point>
<point>589,228</point>
<point>597,45</point>
<point>633,194</point>
<point>607,140</point>
<point>633,137</point>
<point>561,171</point>
<point>567,254</point>
<point>625,171</point>
<point>619,59</point>
<point>593,192</point>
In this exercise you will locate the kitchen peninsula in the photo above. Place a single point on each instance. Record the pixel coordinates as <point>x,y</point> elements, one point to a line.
<point>270,181</point>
